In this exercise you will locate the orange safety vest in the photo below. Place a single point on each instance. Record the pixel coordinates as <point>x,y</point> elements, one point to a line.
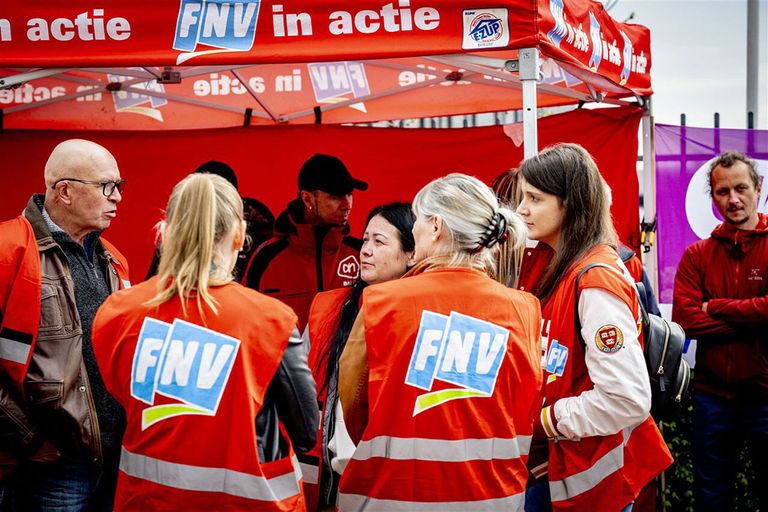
<point>602,472</point>
<point>323,320</point>
<point>454,385</point>
<point>20,289</point>
<point>191,388</point>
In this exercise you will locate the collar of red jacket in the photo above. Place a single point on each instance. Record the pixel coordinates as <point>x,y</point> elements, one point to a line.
<point>741,238</point>
<point>290,223</point>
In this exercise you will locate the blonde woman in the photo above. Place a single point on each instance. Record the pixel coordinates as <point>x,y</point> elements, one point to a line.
<point>206,369</point>
<point>440,377</point>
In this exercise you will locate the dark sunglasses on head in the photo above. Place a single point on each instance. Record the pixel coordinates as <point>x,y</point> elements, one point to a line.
<point>107,187</point>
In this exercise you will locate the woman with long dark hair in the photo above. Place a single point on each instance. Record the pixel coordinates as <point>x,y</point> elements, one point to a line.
<point>603,446</point>
<point>386,254</point>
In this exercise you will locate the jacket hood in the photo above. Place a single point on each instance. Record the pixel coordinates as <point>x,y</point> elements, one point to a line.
<point>741,239</point>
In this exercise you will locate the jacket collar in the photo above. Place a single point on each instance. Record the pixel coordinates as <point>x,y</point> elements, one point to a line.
<point>47,233</point>
<point>741,239</point>
<point>291,224</point>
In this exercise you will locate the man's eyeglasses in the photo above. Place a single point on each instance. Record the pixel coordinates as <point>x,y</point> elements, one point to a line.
<point>107,187</point>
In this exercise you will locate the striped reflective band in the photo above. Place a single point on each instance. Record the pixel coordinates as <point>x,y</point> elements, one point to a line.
<point>14,345</point>
<point>568,487</point>
<point>197,478</point>
<point>440,450</point>
<point>311,472</point>
<point>356,502</point>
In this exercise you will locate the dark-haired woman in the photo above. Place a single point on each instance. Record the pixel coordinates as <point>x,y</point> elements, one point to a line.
<point>386,254</point>
<point>603,445</point>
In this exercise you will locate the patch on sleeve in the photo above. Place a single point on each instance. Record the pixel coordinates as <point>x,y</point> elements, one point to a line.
<point>609,339</point>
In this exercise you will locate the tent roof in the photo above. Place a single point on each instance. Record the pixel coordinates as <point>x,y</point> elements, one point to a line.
<point>275,62</point>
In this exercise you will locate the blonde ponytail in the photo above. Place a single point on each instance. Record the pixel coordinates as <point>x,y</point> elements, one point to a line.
<point>202,210</point>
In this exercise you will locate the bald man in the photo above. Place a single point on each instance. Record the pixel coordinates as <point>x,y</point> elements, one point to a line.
<point>60,430</point>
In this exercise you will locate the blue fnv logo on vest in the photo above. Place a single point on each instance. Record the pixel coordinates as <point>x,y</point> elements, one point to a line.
<point>224,24</point>
<point>456,349</point>
<point>182,361</point>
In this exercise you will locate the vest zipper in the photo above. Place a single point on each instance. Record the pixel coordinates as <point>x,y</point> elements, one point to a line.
<point>660,371</point>
<point>683,384</point>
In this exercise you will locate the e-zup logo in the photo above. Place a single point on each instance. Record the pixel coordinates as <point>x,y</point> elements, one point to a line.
<point>182,361</point>
<point>349,267</point>
<point>227,25</point>
<point>485,28</point>
<point>456,349</point>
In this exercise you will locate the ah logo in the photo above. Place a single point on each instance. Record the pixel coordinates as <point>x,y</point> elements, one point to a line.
<point>333,82</point>
<point>456,349</point>
<point>182,361</point>
<point>224,24</point>
<point>136,103</point>
<point>349,267</point>
<point>485,28</point>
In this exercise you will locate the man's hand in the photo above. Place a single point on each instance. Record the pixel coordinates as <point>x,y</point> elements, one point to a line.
<point>704,307</point>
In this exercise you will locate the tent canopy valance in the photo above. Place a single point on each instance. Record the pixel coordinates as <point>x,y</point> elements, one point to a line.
<point>213,63</point>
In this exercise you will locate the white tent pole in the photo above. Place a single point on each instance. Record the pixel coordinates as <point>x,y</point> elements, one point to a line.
<point>11,81</point>
<point>649,194</point>
<point>529,74</point>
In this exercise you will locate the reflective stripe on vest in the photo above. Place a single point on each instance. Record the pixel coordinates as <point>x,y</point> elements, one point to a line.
<point>440,450</point>
<point>356,502</point>
<point>12,350</point>
<point>311,472</point>
<point>570,486</point>
<point>197,478</point>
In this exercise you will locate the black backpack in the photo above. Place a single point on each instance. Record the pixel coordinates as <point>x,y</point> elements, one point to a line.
<point>664,342</point>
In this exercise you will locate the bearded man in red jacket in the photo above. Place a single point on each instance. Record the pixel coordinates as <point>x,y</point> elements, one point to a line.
<point>721,299</point>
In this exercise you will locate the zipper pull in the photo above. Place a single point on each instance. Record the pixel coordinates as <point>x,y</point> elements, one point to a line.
<point>661,370</point>
<point>662,387</point>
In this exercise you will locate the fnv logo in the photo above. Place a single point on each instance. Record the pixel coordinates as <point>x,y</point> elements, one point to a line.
<point>334,82</point>
<point>182,361</point>
<point>457,349</point>
<point>485,28</point>
<point>222,24</point>
<point>136,103</point>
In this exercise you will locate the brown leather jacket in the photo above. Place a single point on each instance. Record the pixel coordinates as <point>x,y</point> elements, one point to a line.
<point>57,405</point>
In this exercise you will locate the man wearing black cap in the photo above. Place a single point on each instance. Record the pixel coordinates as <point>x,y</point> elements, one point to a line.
<point>311,251</point>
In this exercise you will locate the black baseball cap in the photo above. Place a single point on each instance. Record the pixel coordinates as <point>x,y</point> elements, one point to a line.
<point>329,174</point>
<point>219,169</point>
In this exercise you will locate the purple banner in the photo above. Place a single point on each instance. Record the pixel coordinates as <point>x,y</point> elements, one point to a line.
<point>685,212</point>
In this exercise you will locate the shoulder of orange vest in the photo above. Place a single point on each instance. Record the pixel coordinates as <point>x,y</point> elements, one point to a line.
<point>121,262</point>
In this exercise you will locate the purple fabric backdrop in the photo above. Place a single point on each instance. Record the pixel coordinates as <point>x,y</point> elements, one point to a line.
<point>684,209</point>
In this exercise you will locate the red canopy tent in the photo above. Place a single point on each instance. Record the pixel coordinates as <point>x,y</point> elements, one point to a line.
<point>278,62</point>
<point>165,66</point>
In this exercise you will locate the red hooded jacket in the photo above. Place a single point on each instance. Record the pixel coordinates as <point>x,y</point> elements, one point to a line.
<point>728,271</point>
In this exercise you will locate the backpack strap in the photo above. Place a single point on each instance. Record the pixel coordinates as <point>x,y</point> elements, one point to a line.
<point>577,321</point>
